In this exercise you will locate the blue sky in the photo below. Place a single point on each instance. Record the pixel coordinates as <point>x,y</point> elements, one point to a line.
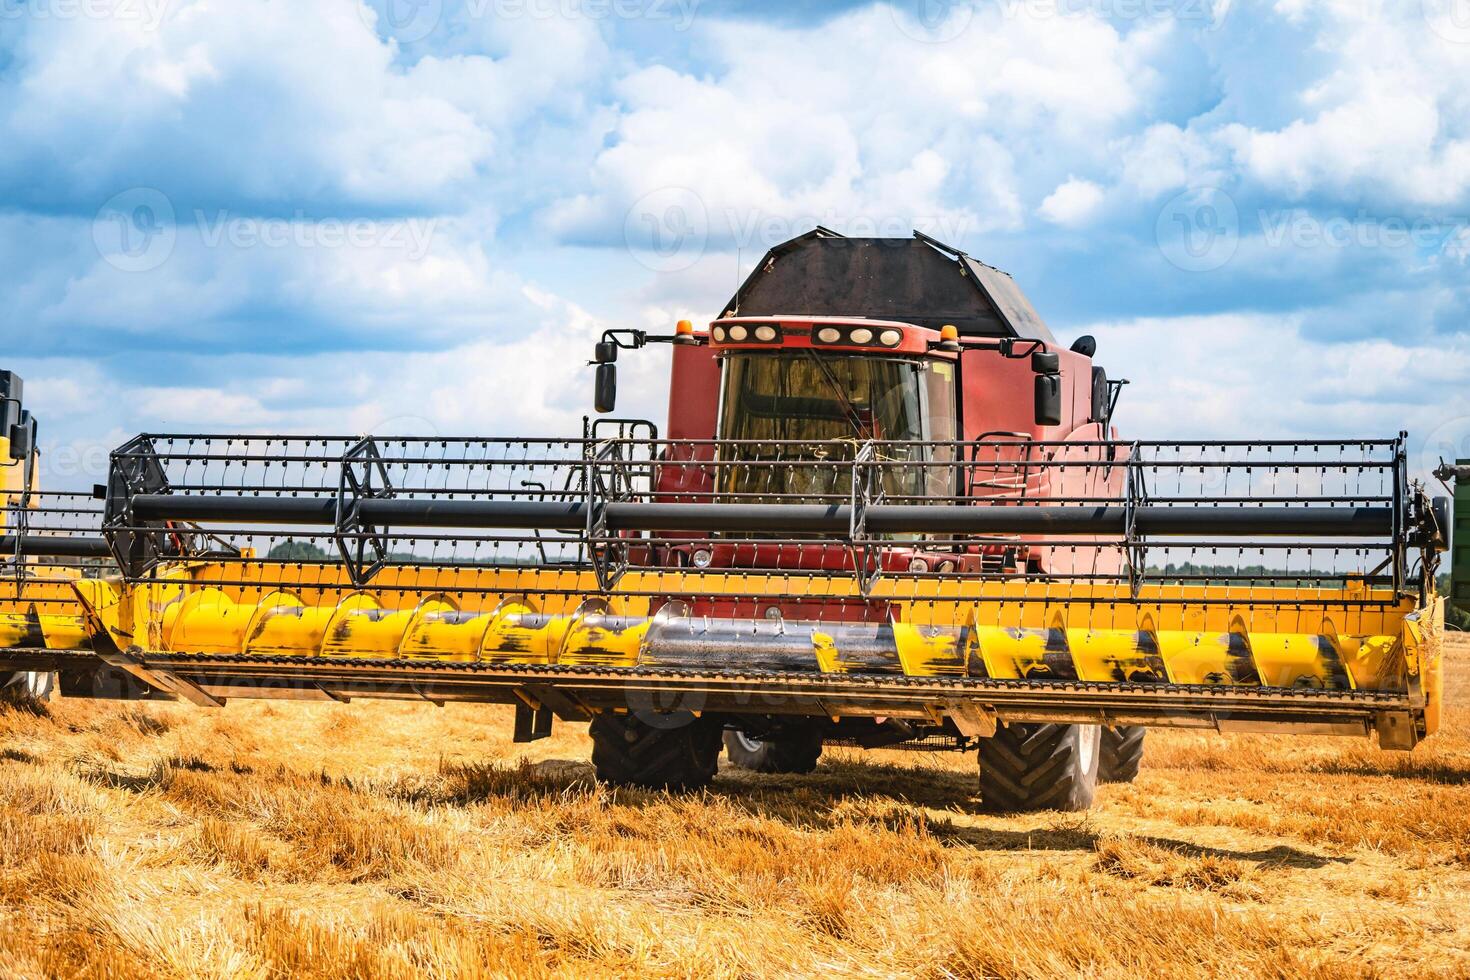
<point>415,215</point>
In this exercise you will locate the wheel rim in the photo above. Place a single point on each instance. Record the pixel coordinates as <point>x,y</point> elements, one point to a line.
<point>1087,740</point>
<point>746,742</point>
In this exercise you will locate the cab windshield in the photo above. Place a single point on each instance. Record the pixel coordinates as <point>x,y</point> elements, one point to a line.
<point>824,407</point>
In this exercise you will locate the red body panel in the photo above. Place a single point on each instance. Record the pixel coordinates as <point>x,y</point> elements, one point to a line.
<point>694,393</point>
<point>997,409</point>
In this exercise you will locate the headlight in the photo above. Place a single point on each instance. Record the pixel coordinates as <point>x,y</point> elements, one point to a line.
<point>719,333</point>
<point>737,333</point>
<point>861,335</point>
<point>829,335</point>
<point>702,558</point>
<point>918,565</point>
<point>765,333</point>
<point>890,338</point>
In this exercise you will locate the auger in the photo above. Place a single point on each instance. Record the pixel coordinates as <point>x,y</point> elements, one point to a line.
<point>886,509</point>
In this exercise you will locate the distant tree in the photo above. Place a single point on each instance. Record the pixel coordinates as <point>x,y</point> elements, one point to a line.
<point>296,551</point>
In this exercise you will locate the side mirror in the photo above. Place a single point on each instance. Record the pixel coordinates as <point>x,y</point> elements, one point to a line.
<point>605,352</point>
<point>1048,368</point>
<point>1086,345</point>
<point>23,437</point>
<point>605,390</point>
<point>1099,395</point>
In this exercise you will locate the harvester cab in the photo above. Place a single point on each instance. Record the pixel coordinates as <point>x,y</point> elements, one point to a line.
<point>904,346</point>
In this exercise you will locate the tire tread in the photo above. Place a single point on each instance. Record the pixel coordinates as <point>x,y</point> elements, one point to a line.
<point>1025,767</point>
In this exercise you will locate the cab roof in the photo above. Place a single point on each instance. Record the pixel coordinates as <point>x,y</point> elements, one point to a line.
<point>918,280</point>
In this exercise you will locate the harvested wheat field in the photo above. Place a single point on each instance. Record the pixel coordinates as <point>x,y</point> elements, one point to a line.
<point>387,840</point>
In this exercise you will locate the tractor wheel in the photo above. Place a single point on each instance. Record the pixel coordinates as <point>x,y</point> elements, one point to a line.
<point>28,686</point>
<point>795,750</point>
<point>1120,753</point>
<point>669,751</point>
<point>1038,767</point>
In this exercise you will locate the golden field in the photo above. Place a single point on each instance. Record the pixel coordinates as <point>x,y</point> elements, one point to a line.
<point>397,840</point>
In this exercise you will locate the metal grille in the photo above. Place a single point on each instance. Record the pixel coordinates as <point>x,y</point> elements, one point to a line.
<point>1251,516</point>
<point>46,540</point>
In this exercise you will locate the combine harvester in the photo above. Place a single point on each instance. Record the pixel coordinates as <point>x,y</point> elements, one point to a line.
<point>887,509</point>
<point>47,542</point>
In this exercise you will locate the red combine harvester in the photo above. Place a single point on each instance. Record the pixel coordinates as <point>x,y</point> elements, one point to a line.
<point>899,341</point>
<point>887,510</point>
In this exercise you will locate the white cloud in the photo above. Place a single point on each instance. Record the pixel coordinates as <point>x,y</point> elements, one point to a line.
<point>1165,157</point>
<point>1255,376</point>
<point>1390,119</point>
<point>851,122</point>
<point>1072,203</point>
<point>267,102</point>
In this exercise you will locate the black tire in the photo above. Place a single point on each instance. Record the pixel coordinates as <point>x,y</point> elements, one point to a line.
<point>1039,767</point>
<point>1120,753</point>
<point>796,750</point>
<point>667,751</point>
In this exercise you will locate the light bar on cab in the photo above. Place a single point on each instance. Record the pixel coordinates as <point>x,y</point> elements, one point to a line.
<point>747,333</point>
<point>856,336</point>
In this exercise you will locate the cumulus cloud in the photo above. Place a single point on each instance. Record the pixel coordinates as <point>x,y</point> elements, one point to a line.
<point>1376,107</point>
<point>1072,203</point>
<point>859,126</point>
<point>1250,376</point>
<point>269,105</point>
